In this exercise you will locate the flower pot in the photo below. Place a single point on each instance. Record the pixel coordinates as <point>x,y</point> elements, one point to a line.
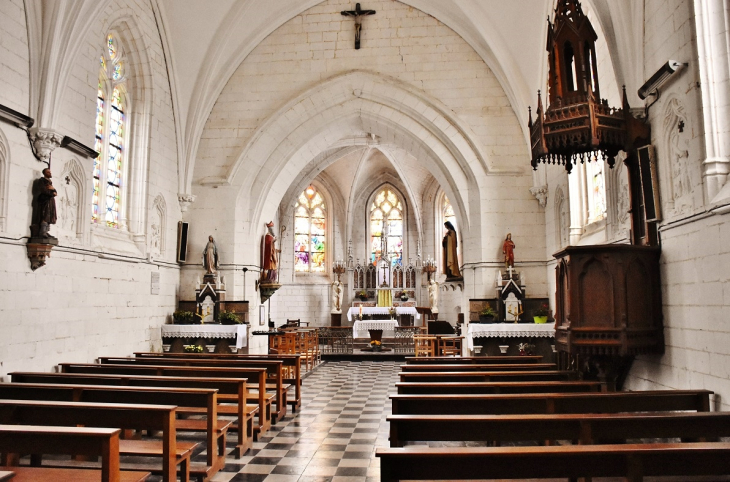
<point>540,319</point>
<point>503,349</point>
<point>486,319</point>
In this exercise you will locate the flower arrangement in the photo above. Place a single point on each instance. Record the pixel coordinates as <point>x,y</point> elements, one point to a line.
<point>183,317</point>
<point>526,348</point>
<point>193,348</point>
<point>392,312</point>
<point>376,343</point>
<point>403,295</point>
<point>362,294</point>
<point>229,318</point>
<point>544,310</point>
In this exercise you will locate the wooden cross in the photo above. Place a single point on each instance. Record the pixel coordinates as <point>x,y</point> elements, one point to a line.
<point>357,13</point>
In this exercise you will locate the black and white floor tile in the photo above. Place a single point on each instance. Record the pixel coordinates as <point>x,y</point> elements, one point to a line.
<point>333,437</point>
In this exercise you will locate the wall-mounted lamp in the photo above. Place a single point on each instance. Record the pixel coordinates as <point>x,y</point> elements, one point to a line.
<point>659,78</point>
<point>78,148</point>
<point>14,117</point>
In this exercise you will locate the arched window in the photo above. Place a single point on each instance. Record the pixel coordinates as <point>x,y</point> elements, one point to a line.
<point>386,227</point>
<point>310,232</point>
<point>595,190</point>
<point>111,128</point>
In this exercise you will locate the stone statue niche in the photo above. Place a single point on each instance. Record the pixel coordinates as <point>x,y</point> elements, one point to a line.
<point>511,295</point>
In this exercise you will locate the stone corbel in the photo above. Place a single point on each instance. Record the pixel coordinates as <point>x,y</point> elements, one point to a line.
<point>38,250</point>
<point>541,194</point>
<point>185,201</point>
<point>44,142</point>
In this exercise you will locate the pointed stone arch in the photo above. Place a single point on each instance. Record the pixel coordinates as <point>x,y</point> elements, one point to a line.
<point>72,196</point>
<point>4,181</point>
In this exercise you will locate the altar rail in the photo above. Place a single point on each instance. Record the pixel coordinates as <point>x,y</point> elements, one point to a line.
<point>339,339</point>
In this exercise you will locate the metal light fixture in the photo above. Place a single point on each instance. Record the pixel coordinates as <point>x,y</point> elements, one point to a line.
<point>14,117</point>
<point>78,148</point>
<point>659,78</point>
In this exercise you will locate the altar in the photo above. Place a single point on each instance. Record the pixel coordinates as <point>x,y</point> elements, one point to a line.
<point>511,334</point>
<point>360,328</point>
<point>193,333</point>
<point>354,311</point>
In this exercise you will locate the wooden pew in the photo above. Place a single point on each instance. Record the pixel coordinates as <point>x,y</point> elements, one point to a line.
<point>125,417</point>
<point>546,403</point>
<point>214,428</point>
<point>274,373</point>
<point>488,376</point>
<point>583,428</point>
<point>256,377</point>
<point>463,367</point>
<point>232,387</point>
<point>484,360</point>
<point>93,442</point>
<point>633,461</point>
<point>291,365</point>
<point>444,388</point>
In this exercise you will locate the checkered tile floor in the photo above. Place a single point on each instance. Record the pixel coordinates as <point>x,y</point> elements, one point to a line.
<point>333,437</point>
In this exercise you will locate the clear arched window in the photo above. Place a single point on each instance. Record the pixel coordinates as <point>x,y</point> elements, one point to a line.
<point>386,227</point>
<point>448,213</point>
<point>310,232</point>
<point>595,190</point>
<point>110,135</point>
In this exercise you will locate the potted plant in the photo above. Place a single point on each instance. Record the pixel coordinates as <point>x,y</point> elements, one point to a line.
<point>182,317</point>
<point>487,315</point>
<point>362,294</point>
<point>541,314</point>
<point>193,348</point>
<point>229,318</point>
<point>376,345</point>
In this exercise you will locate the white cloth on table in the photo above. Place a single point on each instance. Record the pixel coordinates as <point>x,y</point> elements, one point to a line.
<point>239,332</point>
<point>508,330</point>
<point>381,310</point>
<point>360,328</point>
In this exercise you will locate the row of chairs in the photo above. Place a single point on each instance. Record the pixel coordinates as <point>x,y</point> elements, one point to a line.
<point>437,345</point>
<point>298,341</point>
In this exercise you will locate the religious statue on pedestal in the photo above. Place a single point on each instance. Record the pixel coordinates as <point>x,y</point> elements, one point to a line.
<point>337,296</point>
<point>508,249</point>
<point>451,259</point>
<point>269,261</point>
<point>44,206</point>
<point>433,296</point>
<point>210,257</point>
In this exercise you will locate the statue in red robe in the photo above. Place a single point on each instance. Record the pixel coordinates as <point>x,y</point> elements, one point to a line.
<point>269,263</point>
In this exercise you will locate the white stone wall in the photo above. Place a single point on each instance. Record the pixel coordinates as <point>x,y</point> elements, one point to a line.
<point>94,296</point>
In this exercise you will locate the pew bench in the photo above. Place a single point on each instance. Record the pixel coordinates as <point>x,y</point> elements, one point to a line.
<point>477,367</point>
<point>291,366</point>
<point>274,374</point>
<point>632,461</point>
<point>92,442</point>
<point>487,376</point>
<point>486,360</point>
<point>215,429</point>
<point>256,377</point>
<point>546,403</point>
<point>234,388</point>
<point>444,388</point>
<point>173,454</point>
<point>584,429</point>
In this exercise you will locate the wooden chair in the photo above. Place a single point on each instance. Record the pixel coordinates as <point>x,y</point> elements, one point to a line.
<point>449,345</point>
<point>424,345</point>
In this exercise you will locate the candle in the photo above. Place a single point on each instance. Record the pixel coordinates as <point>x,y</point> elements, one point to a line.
<point>360,310</point>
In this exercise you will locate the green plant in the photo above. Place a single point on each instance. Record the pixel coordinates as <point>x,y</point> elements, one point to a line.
<point>362,294</point>
<point>544,310</point>
<point>193,348</point>
<point>183,317</point>
<point>229,318</point>
<point>488,311</point>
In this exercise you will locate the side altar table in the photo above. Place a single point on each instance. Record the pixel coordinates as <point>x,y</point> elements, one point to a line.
<point>542,336</point>
<point>176,334</point>
<point>360,328</point>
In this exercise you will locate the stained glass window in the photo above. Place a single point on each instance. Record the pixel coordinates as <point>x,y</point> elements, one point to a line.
<point>386,227</point>
<point>110,132</point>
<point>310,232</point>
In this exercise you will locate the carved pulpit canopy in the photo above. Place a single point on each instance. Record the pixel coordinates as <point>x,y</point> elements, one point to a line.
<point>578,124</point>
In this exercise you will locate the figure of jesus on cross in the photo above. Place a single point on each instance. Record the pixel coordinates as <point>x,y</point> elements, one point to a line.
<point>357,13</point>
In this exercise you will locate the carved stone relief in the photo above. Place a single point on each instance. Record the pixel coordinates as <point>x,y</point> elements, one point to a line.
<point>70,187</point>
<point>158,226</point>
<point>562,218</point>
<point>677,137</point>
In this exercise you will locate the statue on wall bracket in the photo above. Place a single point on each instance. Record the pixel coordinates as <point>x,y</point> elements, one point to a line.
<point>451,258</point>
<point>268,284</point>
<point>43,215</point>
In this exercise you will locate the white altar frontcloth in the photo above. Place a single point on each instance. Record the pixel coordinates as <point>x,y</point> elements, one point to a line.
<point>508,330</point>
<point>360,328</point>
<point>381,310</point>
<point>239,332</point>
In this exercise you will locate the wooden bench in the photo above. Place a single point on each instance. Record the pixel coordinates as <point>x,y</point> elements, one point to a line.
<point>536,403</point>
<point>256,378</point>
<point>291,365</point>
<point>495,387</point>
<point>483,360</point>
<point>488,376</point>
<point>232,387</point>
<point>125,417</point>
<point>463,367</point>
<point>93,442</point>
<point>274,373</point>
<point>214,428</point>
<point>580,428</point>
<point>633,461</point>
